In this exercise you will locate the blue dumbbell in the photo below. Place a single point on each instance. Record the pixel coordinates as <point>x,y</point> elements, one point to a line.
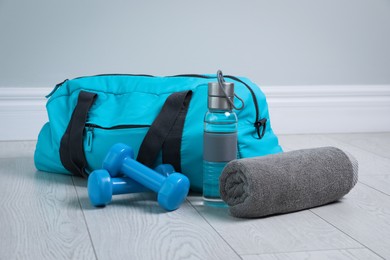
<point>171,190</point>
<point>101,186</point>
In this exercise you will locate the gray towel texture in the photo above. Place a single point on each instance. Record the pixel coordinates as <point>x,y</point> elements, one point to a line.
<point>287,182</point>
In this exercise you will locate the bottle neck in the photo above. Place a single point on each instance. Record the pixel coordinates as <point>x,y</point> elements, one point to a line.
<point>218,110</point>
<point>219,103</point>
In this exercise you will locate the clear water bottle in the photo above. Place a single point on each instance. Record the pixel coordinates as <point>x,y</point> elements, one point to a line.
<point>219,139</point>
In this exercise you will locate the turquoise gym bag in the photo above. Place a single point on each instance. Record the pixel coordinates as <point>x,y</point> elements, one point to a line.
<point>161,118</point>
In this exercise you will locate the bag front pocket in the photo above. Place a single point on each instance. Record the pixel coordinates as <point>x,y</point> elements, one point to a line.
<point>98,140</point>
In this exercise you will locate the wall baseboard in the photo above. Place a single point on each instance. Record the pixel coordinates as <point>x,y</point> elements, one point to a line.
<point>22,112</point>
<point>329,109</point>
<point>293,110</point>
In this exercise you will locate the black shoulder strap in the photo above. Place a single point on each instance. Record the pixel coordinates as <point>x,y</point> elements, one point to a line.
<point>171,150</point>
<point>71,147</point>
<point>166,132</point>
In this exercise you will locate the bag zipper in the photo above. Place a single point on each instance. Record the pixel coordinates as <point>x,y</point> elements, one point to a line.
<point>259,124</point>
<point>230,77</point>
<point>117,74</point>
<point>89,125</point>
<point>90,128</point>
<point>55,88</point>
<point>98,75</point>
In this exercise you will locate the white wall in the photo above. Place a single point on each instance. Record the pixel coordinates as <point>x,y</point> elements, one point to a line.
<point>323,64</point>
<point>301,42</point>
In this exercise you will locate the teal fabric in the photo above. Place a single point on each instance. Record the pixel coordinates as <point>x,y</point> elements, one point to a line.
<point>125,100</point>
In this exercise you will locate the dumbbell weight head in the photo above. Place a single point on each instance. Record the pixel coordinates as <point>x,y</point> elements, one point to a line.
<point>101,187</point>
<point>115,157</point>
<point>173,191</point>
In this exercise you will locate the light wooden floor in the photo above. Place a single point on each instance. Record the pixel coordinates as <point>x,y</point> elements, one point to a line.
<point>48,216</point>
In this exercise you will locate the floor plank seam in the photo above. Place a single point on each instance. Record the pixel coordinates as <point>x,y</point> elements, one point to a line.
<point>308,251</point>
<point>369,186</point>
<point>214,229</point>
<point>357,147</point>
<point>286,148</point>
<point>380,174</point>
<point>357,241</point>
<point>85,219</point>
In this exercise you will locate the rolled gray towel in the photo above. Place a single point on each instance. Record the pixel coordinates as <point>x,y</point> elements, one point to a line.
<point>286,182</point>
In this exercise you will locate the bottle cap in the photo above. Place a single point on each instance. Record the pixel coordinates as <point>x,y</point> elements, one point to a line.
<point>217,99</point>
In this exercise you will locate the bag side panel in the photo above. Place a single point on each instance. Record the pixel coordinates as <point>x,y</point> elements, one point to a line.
<point>46,156</point>
<point>249,145</point>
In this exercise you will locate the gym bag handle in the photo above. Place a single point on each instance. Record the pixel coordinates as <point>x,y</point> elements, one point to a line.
<point>72,147</point>
<point>165,133</point>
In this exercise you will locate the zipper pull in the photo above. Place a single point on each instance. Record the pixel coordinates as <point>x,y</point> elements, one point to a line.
<point>88,147</point>
<point>261,126</point>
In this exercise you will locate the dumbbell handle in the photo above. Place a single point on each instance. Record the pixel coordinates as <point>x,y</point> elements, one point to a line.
<point>123,185</point>
<point>142,174</point>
